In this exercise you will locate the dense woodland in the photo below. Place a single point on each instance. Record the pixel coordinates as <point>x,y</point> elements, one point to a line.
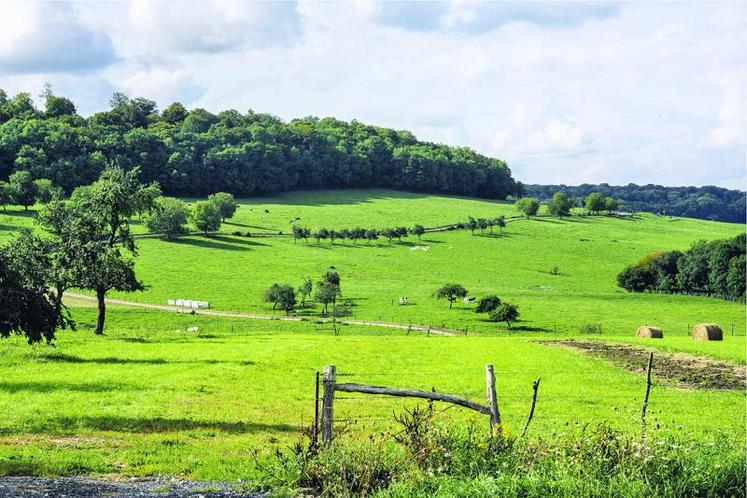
<point>194,152</point>
<point>707,203</point>
<point>714,268</point>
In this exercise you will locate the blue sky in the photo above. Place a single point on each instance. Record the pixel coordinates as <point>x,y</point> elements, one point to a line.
<point>564,92</point>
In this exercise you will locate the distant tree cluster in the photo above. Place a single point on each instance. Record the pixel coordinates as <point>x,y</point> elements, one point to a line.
<point>355,234</point>
<point>284,296</point>
<point>708,203</point>
<point>497,310</point>
<point>714,268</point>
<point>195,153</point>
<point>169,216</point>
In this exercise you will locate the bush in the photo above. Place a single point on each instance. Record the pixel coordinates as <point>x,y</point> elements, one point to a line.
<point>488,304</point>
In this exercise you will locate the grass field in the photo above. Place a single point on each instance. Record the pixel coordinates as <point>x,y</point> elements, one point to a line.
<point>151,398</point>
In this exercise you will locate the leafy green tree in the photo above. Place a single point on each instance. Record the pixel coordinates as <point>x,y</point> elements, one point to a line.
<point>371,235</point>
<point>332,236</point>
<point>418,230</point>
<point>46,191</point>
<point>559,205</point>
<point>321,233</point>
<point>472,224</point>
<point>301,233</point>
<point>27,308</point>
<point>332,277</point>
<point>326,293</point>
<point>174,114</point>
<point>500,222</point>
<point>343,234</point>
<point>595,202</point>
<point>56,107</point>
<point>169,218</point>
<point>205,217</point>
<point>451,292</point>
<point>6,194</point>
<point>305,290</point>
<point>483,224</point>
<point>226,204</point>
<point>488,304</point>
<point>389,233</point>
<point>24,189</point>
<point>528,205</point>
<point>735,278</point>
<point>506,312</point>
<point>611,205</point>
<point>281,295</point>
<point>400,232</point>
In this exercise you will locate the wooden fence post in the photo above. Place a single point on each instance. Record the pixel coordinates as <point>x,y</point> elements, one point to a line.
<point>495,415</point>
<point>328,399</point>
<point>648,391</point>
<point>316,410</point>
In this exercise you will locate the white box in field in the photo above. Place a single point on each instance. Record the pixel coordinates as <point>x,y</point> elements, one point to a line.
<point>188,303</point>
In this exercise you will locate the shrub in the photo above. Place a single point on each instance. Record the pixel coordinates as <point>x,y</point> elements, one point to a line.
<point>488,304</point>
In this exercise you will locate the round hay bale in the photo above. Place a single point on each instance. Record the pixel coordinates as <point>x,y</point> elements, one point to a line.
<point>648,332</point>
<point>708,332</point>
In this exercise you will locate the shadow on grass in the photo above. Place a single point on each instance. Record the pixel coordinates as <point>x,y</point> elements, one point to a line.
<point>110,360</point>
<point>48,386</point>
<point>235,240</point>
<point>149,425</point>
<point>216,242</point>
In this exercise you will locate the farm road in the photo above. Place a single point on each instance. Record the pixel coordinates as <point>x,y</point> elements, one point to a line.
<point>257,316</point>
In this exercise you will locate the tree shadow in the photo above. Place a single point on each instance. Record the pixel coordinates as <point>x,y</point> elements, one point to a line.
<point>110,360</point>
<point>153,425</point>
<point>547,220</point>
<point>527,328</point>
<point>210,244</point>
<point>235,240</point>
<point>47,387</point>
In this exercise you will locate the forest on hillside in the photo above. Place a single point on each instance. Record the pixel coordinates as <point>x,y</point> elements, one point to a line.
<point>195,152</point>
<point>707,203</point>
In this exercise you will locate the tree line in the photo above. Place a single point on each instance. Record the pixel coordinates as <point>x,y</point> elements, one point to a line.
<point>195,152</point>
<point>715,268</point>
<point>707,203</point>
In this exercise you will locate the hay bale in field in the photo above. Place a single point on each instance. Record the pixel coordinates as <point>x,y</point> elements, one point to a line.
<point>708,332</point>
<point>648,332</point>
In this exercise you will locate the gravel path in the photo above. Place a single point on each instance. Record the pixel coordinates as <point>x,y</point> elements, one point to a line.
<point>86,487</point>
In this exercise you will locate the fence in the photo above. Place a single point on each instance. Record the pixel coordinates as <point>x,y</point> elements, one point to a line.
<point>491,409</point>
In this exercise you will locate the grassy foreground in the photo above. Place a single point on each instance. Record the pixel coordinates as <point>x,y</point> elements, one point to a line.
<point>151,398</point>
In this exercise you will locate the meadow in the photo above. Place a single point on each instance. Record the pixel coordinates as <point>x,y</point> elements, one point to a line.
<point>149,397</point>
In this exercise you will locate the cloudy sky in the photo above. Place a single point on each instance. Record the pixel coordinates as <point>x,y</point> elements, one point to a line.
<point>564,92</point>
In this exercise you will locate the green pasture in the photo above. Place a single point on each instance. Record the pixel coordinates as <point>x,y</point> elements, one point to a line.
<point>150,397</point>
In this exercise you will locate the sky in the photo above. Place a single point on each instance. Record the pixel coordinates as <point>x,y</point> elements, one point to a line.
<point>569,93</point>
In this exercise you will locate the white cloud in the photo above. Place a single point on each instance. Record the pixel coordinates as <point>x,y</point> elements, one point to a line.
<point>642,92</point>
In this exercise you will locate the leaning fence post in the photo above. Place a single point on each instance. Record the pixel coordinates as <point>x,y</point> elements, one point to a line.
<point>328,399</point>
<point>495,415</point>
<point>316,410</point>
<point>648,390</point>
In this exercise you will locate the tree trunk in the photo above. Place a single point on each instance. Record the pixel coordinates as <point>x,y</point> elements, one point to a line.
<point>451,301</point>
<point>101,316</point>
<point>59,292</point>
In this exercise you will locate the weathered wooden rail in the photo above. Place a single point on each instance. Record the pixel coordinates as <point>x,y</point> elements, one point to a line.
<point>330,385</point>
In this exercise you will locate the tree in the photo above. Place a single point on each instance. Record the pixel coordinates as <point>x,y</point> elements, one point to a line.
<point>595,202</point>
<point>332,277</point>
<point>528,205</point>
<point>305,290</point>
<point>450,292</point>
<point>343,234</point>
<point>472,224</point>
<point>418,230</point>
<point>281,295</point>
<point>505,313</point>
<point>389,233</point>
<point>56,107</point>
<point>559,205</point>
<point>205,216</point>
<point>488,304</point>
<point>735,278</point>
<point>320,234</point>
<point>483,224</point>
<point>26,308</point>
<point>46,191</point>
<point>226,204</point>
<point>175,113</point>
<point>24,189</point>
<point>301,233</point>
<point>611,205</point>
<point>6,194</point>
<point>332,236</point>
<point>400,232</point>
<point>169,218</point>
<point>326,293</point>
<point>500,222</point>
<point>371,234</point>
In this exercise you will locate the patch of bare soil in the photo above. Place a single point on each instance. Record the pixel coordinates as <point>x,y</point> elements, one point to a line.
<point>683,370</point>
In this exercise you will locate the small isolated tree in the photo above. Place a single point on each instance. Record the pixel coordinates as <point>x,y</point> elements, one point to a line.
<point>24,188</point>
<point>488,304</point>
<point>169,218</point>
<point>471,224</point>
<point>505,313</point>
<point>46,191</point>
<point>226,204</point>
<point>304,290</point>
<point>326,293</point>
<point>559,205</point>
<point>500,222</point>
<point>611,205</point>
<point>320,234</point>
<point>418,231</point>
<point>528,205</point>
<point>451,292</point>
<point>205,216</point>
<point>371,235</point>
<point>6,194</point>
<point>281,295</point>
<point>595,202</point>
